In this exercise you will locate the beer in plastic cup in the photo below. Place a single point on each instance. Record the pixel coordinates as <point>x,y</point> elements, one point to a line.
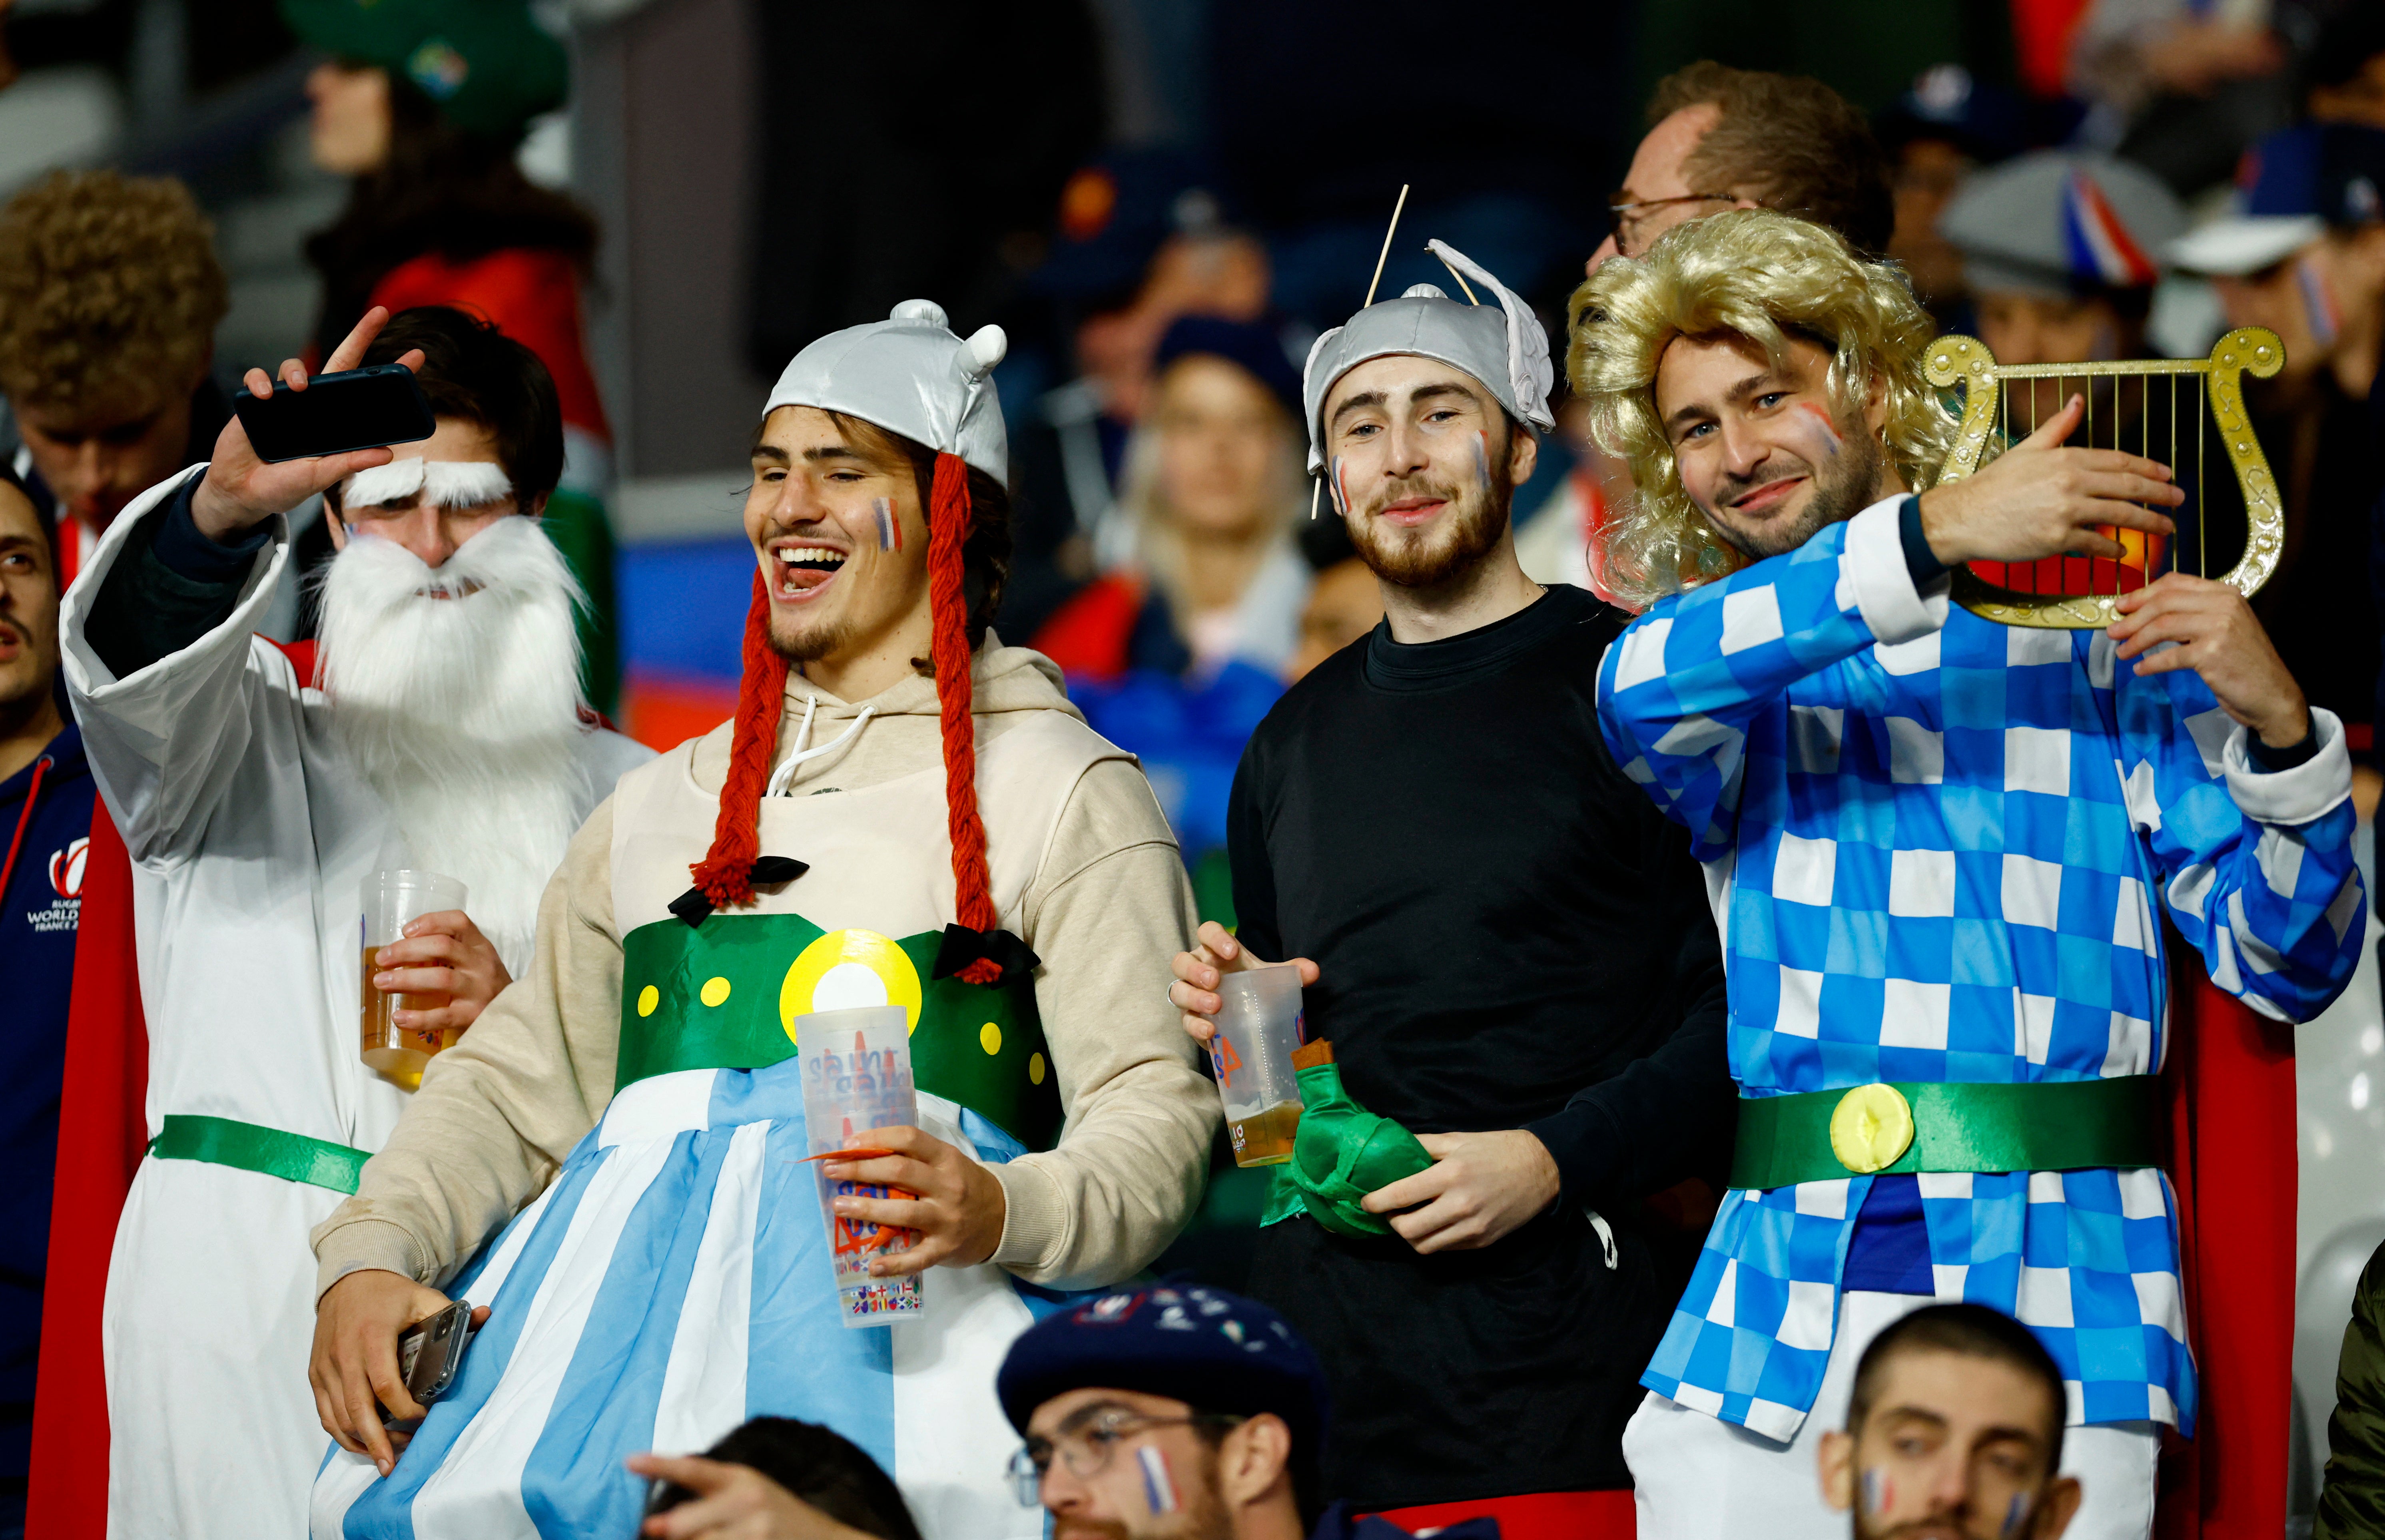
<point>393,899</point>
<point>1258,1025</point>
<point>856,1073</point>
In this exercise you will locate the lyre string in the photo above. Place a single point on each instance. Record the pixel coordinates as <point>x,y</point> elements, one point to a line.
<point>2145,421</point>
<point>2087,384</point>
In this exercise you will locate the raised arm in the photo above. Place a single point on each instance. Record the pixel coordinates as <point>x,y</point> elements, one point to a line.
<point>163,670</point>
<point>1680,686</point>
<point>156,637</point>
<point>2246,792</point>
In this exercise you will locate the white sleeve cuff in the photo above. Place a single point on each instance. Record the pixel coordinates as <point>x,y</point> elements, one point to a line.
<point>2309,790</point>
<point>1891,605</point>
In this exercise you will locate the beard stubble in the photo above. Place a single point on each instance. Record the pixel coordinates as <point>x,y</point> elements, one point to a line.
<point>1429,558</point>
<point>1841,491</point>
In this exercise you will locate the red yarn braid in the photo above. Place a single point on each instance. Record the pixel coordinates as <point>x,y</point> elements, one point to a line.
<point>726,873</point>
<point>950,516</point>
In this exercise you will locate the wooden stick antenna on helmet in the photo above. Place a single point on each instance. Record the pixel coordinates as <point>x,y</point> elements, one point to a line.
<point>1464,287</point>
<point>1373,283</point>
<point>1316,484</point>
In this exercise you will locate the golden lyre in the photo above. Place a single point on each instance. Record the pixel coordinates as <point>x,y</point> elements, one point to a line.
<point>2081,597</point>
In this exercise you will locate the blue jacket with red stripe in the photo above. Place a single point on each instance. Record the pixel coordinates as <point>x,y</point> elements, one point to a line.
<point>40,907</point>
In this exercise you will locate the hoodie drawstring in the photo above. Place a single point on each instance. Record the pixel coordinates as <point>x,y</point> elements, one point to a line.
<point>784,777</point>
<point>32,795</point>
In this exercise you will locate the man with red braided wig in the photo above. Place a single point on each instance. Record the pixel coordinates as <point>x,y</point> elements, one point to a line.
<point>903,811</point>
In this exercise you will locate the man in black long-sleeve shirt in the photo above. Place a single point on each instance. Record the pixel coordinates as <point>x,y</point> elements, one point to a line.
<point>1512,958</point>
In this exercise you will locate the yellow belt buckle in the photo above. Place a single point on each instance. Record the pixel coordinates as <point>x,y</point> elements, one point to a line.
<point>1871,1128</point>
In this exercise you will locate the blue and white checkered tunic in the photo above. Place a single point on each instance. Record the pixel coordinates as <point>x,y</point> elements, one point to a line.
<point>1932,844</point>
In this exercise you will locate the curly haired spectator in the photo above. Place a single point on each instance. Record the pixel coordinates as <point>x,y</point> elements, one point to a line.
<point>110,296</point>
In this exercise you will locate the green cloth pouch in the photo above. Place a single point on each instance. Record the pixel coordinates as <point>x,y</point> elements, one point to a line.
<point>1342,1153</point>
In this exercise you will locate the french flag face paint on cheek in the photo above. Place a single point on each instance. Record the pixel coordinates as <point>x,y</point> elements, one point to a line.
<point>1827,441</point>
<point>2015,1513</point>
<point>890,528</point>
<point>2318,303</point>
<point>1482,455</point>
<point>1341,492</point>
<point>1158,1485</point>
<point>1877,1492</point>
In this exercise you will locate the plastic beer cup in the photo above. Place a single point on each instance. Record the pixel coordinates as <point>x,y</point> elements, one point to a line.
<point>1258,1025</point>
<point>856,1073</point>
<point>393,899</point>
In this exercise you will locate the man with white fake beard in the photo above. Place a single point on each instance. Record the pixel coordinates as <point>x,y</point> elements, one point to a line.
<point>438,727</point>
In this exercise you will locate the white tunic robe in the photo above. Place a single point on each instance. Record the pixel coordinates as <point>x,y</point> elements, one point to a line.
<point>251,836</point>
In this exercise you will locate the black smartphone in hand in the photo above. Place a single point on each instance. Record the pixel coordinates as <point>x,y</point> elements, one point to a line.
<point>430,1352</point>
<point>368,408</point>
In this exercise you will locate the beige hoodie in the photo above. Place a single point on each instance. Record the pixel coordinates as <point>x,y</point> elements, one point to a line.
<point>1108,907</point>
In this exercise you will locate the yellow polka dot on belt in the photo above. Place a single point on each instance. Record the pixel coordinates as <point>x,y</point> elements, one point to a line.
<point>714,990</point>
<point>989,1037</point>
<point>1035,1069</point>
<point>648,998</point>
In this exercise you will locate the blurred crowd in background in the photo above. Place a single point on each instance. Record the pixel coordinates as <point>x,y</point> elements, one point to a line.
<point>1161,201</point>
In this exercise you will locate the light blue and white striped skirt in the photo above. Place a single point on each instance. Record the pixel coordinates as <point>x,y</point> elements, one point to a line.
<point>671,1282</point>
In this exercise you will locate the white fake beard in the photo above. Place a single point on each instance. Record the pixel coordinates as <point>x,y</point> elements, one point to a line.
<point>464,711</point>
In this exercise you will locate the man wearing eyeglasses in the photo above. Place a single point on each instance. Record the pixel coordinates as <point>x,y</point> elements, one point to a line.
<point>1722,138</point>
<point>1177,1412</point>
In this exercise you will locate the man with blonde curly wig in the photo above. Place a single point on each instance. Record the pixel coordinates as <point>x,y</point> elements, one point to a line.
<point>110,296</point>
<point>1935,847</point>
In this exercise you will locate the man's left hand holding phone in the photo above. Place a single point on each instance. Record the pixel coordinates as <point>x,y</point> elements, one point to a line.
<point>242,490</point>
<point>359,1388</point>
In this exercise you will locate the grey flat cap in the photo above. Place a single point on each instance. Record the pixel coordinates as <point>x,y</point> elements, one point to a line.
<point>2059,223</point>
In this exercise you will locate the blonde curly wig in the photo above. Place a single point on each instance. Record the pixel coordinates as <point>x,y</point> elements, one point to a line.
<point>109,293</point>
<point>1763,276</point>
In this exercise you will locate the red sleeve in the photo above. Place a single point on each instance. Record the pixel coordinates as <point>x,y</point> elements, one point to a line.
<point>1088,635</point>
<point>103,1134</point>
<point>2041,34</point>
<point>102,1131</point>
<point>530,295</point>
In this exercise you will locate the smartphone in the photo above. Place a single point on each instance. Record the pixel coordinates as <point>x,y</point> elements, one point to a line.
<point>366,408</point>
<point>430,1354</point>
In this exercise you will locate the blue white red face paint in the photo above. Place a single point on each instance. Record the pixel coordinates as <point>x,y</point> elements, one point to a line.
<point>890,528</point>
<point>1816,435</point>
<point>1340,491</point>
<point>2319,301</point>
<point>1877,1492</point>
<point>1158,1481</point>
<point>2015,1513</point>
<point>1482,455</point>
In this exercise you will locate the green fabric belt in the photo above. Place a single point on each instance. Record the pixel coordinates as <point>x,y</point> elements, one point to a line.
<point>291,1157</point>
<point>2044,1125</point>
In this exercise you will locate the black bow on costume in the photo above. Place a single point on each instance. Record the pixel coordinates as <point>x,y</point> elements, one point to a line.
<point>770,870</point>
<point>963,946</point>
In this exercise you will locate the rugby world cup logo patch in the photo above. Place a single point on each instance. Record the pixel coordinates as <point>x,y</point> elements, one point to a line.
<point>66,869</point>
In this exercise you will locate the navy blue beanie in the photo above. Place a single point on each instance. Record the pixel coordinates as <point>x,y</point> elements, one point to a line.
<point>1254,346</point>
<point>1215,1352</point>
